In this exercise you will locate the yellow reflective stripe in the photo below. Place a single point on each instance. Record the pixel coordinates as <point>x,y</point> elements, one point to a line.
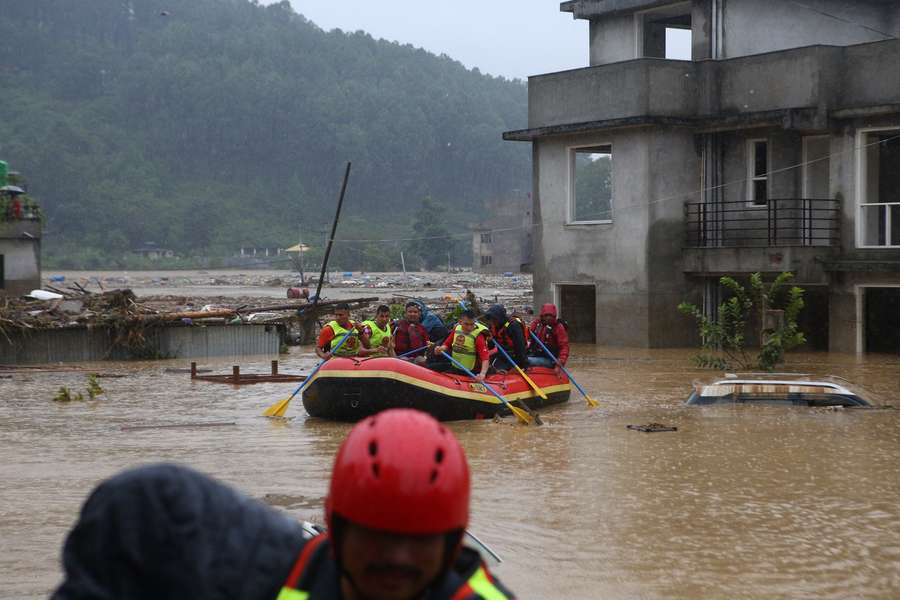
<point>482,586</point>
<point>292,594</point>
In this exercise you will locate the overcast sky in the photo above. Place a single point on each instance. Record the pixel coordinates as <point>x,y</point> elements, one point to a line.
<point>512,38</point>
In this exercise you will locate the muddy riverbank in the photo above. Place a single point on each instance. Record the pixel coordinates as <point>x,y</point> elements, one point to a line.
<point>740,502</point>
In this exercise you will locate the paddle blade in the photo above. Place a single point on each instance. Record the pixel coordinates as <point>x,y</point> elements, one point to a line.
<point>278,409</point>
<point>521,415</point>
<point>531,382</point>
<point>591,402</point>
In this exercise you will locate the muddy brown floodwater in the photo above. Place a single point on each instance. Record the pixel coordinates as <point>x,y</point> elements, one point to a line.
<point>740,502</point>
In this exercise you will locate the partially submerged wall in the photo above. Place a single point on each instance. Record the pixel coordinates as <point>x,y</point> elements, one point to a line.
<point>84,345</point>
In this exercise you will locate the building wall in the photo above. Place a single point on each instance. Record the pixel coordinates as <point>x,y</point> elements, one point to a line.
<point>612,39</point>
<point>635,267</point>
<point>757,26</point>
<point>748,26</point>
<point>21,257</point>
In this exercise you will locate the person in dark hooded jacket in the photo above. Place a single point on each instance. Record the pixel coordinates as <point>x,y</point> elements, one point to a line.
<point>397,508</point>
<point>509,332</point>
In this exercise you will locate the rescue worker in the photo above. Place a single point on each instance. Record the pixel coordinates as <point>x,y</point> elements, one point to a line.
<point>411,335</point>
<point>510,333</point>
<point>552,332</point>
<point>397,508</point>
<point>334,330</point>
<point>467,345</point>
<point>380,338</point>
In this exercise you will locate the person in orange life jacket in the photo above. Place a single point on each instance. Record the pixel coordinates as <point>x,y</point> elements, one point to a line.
<point>410,334</point>
<point>458,343</point>
<point>336,329</point>
<point>553,333</point>
<point>509,332</point>
<point>397,507</point>
<point>378,334</point>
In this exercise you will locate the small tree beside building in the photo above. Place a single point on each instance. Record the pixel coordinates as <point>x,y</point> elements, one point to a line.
<point>724,339</point>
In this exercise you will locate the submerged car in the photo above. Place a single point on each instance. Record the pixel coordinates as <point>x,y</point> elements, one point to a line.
<point>781,388</point>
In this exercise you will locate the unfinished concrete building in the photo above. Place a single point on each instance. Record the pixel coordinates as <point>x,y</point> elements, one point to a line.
<point>773,146</point>
<point>20,255</point>
<point>502,243</point>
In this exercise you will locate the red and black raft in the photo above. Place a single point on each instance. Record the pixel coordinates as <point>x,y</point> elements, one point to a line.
<point>349,389</point>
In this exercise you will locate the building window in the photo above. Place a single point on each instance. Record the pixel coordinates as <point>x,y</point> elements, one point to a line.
<point>757,172</point>
<point>879,198</point>
<point>591,189</point>
<point>486,238</point>
<point>486,260</point>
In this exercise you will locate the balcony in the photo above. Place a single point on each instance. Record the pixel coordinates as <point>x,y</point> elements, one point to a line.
<point>799,88</point>
<point>786,234</point>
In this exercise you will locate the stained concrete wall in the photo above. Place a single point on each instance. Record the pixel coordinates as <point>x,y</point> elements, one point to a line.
<point>20,246</point>
<point>749,26</point>
<point>612,40</point>
<point>634,266</point>
<point>83,345</point>
<point>757,26</point>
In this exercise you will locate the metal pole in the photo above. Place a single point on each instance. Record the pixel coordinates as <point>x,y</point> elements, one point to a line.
<point>403,262</point>
<point>337,215</point>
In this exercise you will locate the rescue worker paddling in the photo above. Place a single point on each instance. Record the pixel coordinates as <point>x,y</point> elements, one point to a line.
<point>510,333</point>
<point>467,345</point>
<point>379,333</point>
<point>336,329</point>
<point>553,333</point>
<point>397,509</point>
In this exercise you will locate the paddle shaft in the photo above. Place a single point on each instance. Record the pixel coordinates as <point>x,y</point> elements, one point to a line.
<point>425,347</point>
<point>319,366</point>
<point>472,375</point>
<point>559,364</point>
<point>528,379</point>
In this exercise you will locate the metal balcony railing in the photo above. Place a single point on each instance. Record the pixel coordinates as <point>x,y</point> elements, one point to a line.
<point>779,222</point>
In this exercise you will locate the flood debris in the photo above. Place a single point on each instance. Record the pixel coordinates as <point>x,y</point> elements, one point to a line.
<point>651,428</point>
<point>178,426</point>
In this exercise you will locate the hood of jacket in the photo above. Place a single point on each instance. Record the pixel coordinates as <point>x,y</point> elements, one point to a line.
<point>549,309</point>
<point>497,313</point>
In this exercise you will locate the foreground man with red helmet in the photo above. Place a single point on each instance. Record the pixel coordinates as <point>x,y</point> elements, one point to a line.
<point>397,509</point>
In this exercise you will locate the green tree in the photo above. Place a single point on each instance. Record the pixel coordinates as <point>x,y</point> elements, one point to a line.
<point>433,234</point>
<point>724,339</point>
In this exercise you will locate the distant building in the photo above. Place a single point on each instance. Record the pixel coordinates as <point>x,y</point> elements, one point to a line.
<point>152,251</point>
<point>774,145</point>
<point>20,236</point>
<point>20,254</point>
<point>502,243</point>
<point>261,251</point>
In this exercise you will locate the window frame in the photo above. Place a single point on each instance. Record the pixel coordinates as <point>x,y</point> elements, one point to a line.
<point>752,178</point>
<point>571,153</point>
<point>861,168</point>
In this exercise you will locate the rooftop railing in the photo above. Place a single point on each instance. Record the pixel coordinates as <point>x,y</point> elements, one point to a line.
<point>778,222</point>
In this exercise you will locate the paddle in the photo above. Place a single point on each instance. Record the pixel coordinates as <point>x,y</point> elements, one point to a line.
<point>509,359</point>
<point>425,347</point>
<point>279,408</point>
<point>521,414</point>
<point>590,401</point>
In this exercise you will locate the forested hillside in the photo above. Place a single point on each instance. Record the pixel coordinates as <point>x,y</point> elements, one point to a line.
<point>203,125</point>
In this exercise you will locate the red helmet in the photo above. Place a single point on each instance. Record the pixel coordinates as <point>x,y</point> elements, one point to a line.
<point>400,471</point>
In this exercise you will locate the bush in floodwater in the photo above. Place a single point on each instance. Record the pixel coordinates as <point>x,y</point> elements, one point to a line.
<point>65,395</point>
<point>724,339</point>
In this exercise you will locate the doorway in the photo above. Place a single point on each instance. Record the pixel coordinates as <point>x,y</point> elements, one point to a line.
<point>578,307</point>
<point>882,319</point>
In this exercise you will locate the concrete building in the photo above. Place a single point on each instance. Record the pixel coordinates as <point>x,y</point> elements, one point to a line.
<point>775,147</point>
<point>502,243</point>
<point>20,256</point>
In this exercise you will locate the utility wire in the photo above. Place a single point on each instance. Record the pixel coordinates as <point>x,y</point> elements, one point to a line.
<point>842,19</point>
<point>699,192</point>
